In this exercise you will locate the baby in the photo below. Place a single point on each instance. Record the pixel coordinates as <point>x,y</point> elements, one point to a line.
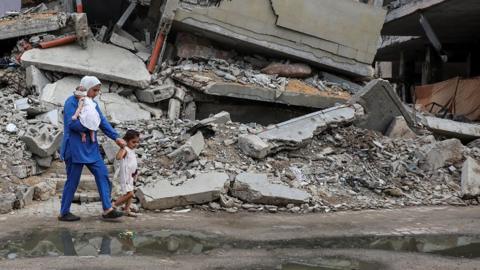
<point>86,112</point>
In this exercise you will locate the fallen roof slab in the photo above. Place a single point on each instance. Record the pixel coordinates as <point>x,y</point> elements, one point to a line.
<point>105,61</point>
<point>31,24</point>
<point>452,129</point>
<point>274,27</point>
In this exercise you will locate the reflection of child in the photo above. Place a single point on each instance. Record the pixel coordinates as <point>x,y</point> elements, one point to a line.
<point>87,113</point>
<point>128,170</point>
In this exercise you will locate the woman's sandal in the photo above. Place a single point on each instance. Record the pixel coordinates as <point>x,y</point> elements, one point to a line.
<point>113,214</point>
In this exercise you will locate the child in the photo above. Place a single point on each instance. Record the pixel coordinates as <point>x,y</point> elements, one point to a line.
<point>87,112</point>
<point>128,170</point>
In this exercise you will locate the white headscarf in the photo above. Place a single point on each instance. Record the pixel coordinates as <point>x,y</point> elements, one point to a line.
<point>89,81</point>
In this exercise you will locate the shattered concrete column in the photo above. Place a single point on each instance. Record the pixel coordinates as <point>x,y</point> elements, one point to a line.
<point>174,107</point>
<point>35,79</point>
<point>381,106</point>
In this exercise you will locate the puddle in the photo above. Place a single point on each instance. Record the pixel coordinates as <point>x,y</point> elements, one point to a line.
<point>63,242</point>
<point>332,263</point>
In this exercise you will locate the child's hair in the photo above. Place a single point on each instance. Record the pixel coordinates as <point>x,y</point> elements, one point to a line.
<point>131,134</point>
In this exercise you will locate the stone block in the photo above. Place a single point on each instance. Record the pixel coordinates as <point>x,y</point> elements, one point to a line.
<point>203,189</point>
<point>174,107</point>
<point>35,79</point>
<point>471,178</point>
<point>122,42</point>
<point>24,197</point>
<point>399,129</point>
<point>179,94</point>
<point>119,109</point>
<point>45,162</point>
<point>381,105</point>
<point>44,190</point>
<point>190,150</point>
<point>219,118</point>
<point>107,62</point>
<point>439,154</point>
<point>156,93</point>
<point>20,171</point>
<point>22,104</point>
<point>255,188</point>
<point>253,146</point>
<point>7,201</point>
<point>53,117</point>
<point>42,139</point>
<point>156,113</point>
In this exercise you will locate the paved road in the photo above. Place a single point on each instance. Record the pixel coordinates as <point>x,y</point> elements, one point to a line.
<point>256,227</point>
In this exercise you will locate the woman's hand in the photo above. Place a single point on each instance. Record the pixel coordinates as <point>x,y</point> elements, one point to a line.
<point>121,142</point>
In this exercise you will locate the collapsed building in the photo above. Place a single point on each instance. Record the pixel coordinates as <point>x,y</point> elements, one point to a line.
<point>241,105</point>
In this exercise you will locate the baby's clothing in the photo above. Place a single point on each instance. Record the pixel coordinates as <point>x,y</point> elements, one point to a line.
<point>127,169</point>
<point>89,116</point>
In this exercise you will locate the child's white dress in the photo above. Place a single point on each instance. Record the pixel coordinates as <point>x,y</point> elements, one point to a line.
<point>89,116</point>
<point>127,167</point>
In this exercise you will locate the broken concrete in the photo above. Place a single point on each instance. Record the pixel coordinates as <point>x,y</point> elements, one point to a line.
<point>255,188</point>
<point>122,42</point>
<point>439,154</point>
<point>253,146</point>
<point>190,150</point>
<point>319,100</point>
<point>204,188</point>
<point>381,105</point>
<point>220,118</point>
<point>155,94</point>
<point>118,109</point>
<point>399,129</point>
<point>174,107</point>
<point>44,190</point>
<point>105,61</point>
<point>7,202</point>
<point>42,139</point>
<point>33,23</point>
<point>44,162</point>
<point>57,93</point>
<point>471,178</point>
<point>344,83</point>
<point>276,27</point>
<point>452,129</point>
<point>298,131</point>
<point>156,113</point>
<point>53,117</point>
<point>35,79</point>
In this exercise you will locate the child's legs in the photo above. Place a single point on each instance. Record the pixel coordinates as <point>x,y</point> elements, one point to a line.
<point>123,199</point>
<point>92,135</point>
<point>129,201</point>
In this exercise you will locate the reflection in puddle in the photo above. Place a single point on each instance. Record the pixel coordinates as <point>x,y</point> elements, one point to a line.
<point>332,263</point>
<point>63,242</point>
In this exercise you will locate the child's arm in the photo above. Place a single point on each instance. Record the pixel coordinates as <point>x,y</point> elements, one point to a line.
<point>121,154</point>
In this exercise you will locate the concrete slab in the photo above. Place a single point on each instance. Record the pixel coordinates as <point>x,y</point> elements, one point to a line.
<point>119,109</point>
<point>110,148</point>
<point>56,93</point>
<point>122,42</point>
<point>156,93</point>
<point>33,23</point>
<point>452,129</point>
<point>381,105</point>
<point>274,26</point>
<point>219,118</point>
<point>439,154</point>
<point>399,129</point>
<point>298,131</point>
<point>255,188</point>
<point>470,178</point>
<point>53,117</point>
<point>105,61</point>
<point>35,79</point>
<point>204,188</point>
